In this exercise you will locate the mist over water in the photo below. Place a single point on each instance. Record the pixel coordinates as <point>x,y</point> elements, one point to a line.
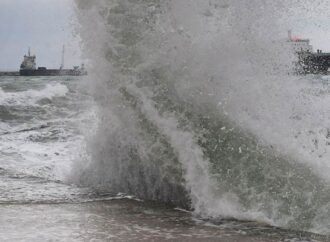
<point>197,107</point>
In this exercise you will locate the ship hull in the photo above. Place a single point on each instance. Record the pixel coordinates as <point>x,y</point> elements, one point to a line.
<point>52,72</point>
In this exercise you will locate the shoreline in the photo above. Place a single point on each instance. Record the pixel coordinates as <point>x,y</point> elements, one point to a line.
<point>128,220</point>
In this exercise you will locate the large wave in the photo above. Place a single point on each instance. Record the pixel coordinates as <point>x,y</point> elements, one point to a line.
<point>196,108</point>
<point>31,97</point>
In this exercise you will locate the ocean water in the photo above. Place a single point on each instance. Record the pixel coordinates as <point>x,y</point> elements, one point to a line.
<point>45,125</point>
<point>190,126</point>
<point>39,138</point>
<point>199,108</point>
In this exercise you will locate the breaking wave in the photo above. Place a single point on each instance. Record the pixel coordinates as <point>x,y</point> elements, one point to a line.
<point>31,97</point>
<point>196,108</point>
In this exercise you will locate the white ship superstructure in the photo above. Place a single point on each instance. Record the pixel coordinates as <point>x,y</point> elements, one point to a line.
<point>29,62</point>
<point>299,44</point>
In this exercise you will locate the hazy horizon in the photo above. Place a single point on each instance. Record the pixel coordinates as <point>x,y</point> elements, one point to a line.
<point>45,25</point>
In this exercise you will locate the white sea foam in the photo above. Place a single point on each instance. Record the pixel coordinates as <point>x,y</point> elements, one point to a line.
<point>30,97</point>
<point>220,60</point>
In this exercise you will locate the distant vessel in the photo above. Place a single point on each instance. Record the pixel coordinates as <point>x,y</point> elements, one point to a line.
<point>28,68</point>
<point>308,62</point>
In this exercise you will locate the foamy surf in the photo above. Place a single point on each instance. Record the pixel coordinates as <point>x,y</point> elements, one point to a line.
<point>187,106</point>
<point>32,96</point>
<point>197,109</point>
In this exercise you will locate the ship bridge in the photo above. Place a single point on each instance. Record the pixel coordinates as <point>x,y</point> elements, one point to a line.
<point>29,62</point>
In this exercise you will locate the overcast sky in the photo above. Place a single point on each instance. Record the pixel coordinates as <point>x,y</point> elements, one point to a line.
<point>43,25</point>
<point>316,28</point>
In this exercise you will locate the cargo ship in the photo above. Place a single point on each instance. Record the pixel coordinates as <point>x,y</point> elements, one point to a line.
<point>29,68</point>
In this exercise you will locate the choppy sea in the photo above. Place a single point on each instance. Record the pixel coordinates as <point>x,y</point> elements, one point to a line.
<point>41,136</point>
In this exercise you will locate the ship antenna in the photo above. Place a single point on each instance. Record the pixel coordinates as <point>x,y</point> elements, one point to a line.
<point>29,53</point>
<point>62,63</point>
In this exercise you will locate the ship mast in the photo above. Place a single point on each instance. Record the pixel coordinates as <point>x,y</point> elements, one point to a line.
<point>62,62</point>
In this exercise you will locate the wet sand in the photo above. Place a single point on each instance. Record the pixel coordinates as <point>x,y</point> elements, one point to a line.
<point>125,220</point>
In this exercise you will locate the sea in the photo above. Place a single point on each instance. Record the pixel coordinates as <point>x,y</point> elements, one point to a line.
<point>191,125</point>
<point>43,123</point>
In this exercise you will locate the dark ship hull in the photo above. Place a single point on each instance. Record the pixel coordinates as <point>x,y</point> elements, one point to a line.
<point>53,72</point>
<point>313,63</point>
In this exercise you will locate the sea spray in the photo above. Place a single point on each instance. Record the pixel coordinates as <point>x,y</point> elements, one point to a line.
<point>196,108</point>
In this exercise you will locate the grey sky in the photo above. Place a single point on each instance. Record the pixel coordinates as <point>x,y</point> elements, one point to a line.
<point>44,25</point>
<point>317,29</point>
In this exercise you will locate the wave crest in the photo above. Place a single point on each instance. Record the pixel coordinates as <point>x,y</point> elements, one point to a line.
<point>32,96</point>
